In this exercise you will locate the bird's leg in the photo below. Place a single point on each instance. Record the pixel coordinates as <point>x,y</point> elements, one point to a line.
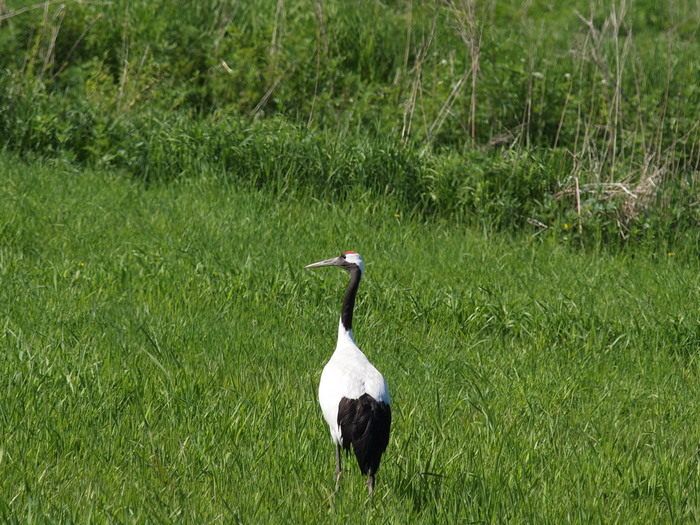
<point>370,484</point>
<point>338,470</point>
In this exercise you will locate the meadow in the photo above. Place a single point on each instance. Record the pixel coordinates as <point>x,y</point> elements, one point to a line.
<point>519,177</point>
<point>500,114</point>
<point>162,347</point>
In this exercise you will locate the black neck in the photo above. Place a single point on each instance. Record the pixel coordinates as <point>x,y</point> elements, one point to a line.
<point>349,299</point>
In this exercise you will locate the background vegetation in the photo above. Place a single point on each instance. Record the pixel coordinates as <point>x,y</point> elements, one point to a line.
<point>574,118</point>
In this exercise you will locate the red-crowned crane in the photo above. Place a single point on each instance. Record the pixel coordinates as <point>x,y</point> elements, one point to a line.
<point>353,394</point>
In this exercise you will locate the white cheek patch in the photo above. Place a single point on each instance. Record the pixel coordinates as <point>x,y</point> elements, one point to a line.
<point>354,257</point>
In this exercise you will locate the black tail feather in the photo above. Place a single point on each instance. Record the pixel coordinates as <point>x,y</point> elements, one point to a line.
<point>364,424</point>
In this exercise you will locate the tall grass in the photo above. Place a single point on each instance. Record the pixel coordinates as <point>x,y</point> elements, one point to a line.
<point>599,99</point>
<point>162,346</point>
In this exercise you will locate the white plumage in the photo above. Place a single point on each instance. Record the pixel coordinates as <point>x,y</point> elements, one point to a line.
<point>349,374</point>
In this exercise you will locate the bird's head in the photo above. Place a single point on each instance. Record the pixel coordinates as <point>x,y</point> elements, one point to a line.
<point>348,261</point>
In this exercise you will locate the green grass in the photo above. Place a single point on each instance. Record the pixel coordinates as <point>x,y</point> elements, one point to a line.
<point>498,113</point>
<point>168,170</point>
<point>162,345</point>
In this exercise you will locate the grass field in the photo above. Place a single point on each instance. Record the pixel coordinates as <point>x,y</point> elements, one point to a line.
<point>521,179</point>
<point>162,346</point>
<point>517,116</point>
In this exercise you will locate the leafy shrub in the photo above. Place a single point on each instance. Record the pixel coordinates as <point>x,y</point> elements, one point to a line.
<point>489,113</point>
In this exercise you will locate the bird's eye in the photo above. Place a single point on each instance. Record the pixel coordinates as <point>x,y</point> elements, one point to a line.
<point>342,256</point>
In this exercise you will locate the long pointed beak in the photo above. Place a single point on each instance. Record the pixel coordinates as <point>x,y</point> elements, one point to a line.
<point>327,262</point>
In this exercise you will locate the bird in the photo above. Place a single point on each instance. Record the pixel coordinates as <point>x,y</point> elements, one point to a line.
<point>353,394</point>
